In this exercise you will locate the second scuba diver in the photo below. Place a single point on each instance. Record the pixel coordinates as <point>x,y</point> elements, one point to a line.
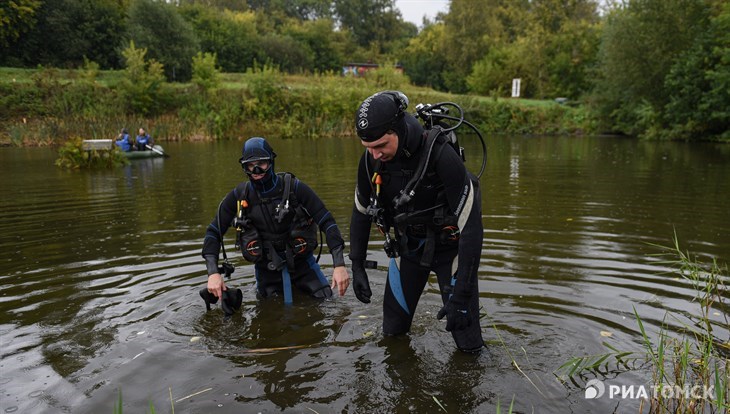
<point>277,219</point>
<point>415,182</point>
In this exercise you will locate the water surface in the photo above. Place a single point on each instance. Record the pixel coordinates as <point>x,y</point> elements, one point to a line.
<point>99,273</point>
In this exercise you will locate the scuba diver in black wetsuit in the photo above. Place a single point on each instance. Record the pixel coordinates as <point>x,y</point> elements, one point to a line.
<point>410,179</point>
<point>277,218</point>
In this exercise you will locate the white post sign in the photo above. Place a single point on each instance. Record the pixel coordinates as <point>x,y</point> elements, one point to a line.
<point>516,88</point>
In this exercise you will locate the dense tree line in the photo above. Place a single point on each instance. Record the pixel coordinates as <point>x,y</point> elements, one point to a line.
<point>658,68</point>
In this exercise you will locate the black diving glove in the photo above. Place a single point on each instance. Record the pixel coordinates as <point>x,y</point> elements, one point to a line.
<point>456,312</point>
<point>360,282</point>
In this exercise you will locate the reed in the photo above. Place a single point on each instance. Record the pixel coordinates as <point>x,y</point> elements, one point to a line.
<point>694,356</point>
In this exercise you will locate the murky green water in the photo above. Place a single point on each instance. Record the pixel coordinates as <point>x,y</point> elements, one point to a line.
<point>99,273</point>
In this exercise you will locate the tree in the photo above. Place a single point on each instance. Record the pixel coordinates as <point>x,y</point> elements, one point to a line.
<point>699,106</point>
<point>640,43</point>
<point>158,27</point>
<point>298,9</point>
<point>472,27</point>
<point>370,21</point>
<point>142,85</point>
<point>233,5</point>
<point>327,46</point>
<point>205,74</point>
<point>573,52</point>
<point>231,36</point>
<point>549,44</point>
<point>67,31</point>
<point>492,74</point>
<point>285,53</point>
<point>423,60</point>
<point>16,17</point>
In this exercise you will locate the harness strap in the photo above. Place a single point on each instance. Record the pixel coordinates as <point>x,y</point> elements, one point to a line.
<point>409,190</point>
<point>286,281</point>
<point>429,247</point>
<point>283,208</point>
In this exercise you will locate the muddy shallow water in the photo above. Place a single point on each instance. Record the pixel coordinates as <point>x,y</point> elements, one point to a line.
<point>99,274</point>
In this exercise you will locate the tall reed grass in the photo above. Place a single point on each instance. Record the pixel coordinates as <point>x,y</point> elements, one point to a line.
<point>678,359</point>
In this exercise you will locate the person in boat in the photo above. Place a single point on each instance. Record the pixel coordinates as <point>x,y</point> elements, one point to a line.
<point>123,141</point>
<point>144,141</point>
<point>436,219</point>
<point>277,219</point>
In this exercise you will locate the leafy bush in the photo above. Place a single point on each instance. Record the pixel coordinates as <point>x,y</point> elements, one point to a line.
<point>72,156</point>
<point>143,85</point>
<point>386,76</point>
<point>205,74</point>
<point>266,93</point>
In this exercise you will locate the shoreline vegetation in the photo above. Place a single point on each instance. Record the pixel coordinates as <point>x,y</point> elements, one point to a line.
<point>649,69</point>
<point>48,106</point>
<point>688,366</point>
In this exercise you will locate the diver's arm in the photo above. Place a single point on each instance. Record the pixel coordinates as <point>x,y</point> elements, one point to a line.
<point>214,238</point>
<point>360,221</point>
<point>360,234</point>
<point>326,223</point>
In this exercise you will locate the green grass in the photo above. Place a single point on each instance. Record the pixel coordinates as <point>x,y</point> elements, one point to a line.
<point>49,106</point>
<point>20,75</point>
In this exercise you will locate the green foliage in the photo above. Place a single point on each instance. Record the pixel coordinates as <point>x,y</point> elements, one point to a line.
<point>16,18</point>
<point>143,84</point>
<point>699,106</point>
<point>490,75</point>
<point>69,30</point>
<point>497,116</point>
<point>573,52</point>
<point>231,35</point>
<point>57,105</point>
<point>50,94</point>
<point>551,51</point>
<point>72,156</point>
<point>470,28</point>
<point>159,28</point>
<point>326,46</point>
<point>371,22</point>
<point>386,76</point>
<point>285,53</point>
<point>266,90</point>
<point>205,74</point>
<point>424,59</point>
<point>640,45</point>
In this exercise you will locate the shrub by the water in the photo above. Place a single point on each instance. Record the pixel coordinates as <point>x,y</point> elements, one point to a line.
<point>72,156</point>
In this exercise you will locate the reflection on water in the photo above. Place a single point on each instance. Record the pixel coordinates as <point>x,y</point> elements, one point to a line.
<point>100,273</point>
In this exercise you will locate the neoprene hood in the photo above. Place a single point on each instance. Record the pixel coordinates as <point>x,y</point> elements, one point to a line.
<point>380,113</point>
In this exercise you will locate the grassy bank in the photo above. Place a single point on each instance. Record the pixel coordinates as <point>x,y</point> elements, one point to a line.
<point>50,106</point>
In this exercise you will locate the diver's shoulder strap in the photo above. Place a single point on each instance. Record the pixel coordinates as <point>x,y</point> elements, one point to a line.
<point>432,138</point>
<point>241,191</point>
<point>287,187</point>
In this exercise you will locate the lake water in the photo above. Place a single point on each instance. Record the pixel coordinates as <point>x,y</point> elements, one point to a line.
<point>100,272</point>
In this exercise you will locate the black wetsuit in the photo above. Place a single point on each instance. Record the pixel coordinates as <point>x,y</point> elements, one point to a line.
<point>262,197</point>
<point>447,181</point>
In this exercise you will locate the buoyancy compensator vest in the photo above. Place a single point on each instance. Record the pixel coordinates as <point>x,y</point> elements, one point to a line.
<point>273,225</point>
<point>428,226</point>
